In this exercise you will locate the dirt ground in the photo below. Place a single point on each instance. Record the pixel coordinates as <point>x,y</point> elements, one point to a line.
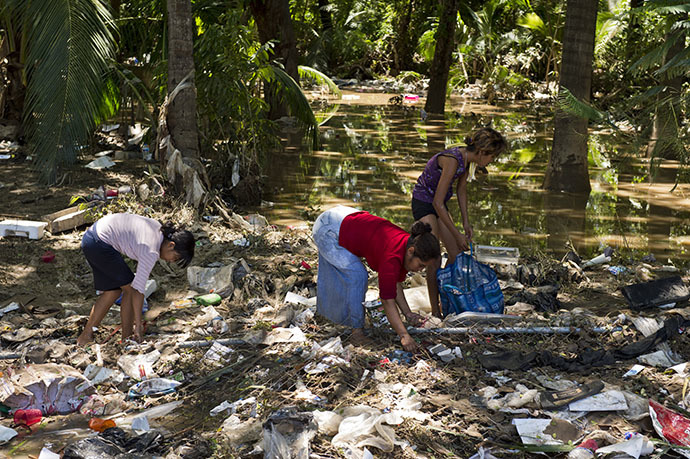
<point>457,420</point>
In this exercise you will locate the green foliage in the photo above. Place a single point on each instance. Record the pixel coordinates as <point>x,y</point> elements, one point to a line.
<point>69,44</point>
<point>320,78</point>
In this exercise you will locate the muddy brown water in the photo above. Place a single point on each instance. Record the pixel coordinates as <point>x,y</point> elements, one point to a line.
<point>372,153</point>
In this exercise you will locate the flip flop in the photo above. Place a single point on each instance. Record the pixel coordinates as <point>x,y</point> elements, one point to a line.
<point>558,399</point>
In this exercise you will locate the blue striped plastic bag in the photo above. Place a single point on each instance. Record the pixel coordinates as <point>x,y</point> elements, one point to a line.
<point>468,285</point>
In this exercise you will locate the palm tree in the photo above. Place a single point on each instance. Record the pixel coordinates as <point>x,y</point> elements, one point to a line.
<point>68,45</point>
<point>182,123</point>
<point>567,168</point>
<point>438,73</point>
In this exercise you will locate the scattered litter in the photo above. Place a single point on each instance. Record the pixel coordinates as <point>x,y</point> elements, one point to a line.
<point>287,434</point>
<point>99,375</point>
<point>7,434</point>
<point>50,388</point>
<point>285,335</point>
<point>532,431</point>
<point>101,425</point>
<point>671,426</point>
<point>140,424</point>
<point>217,352</point>
<point>152,387</point>
<point>600,259</point>
<point>139,366</point>
<point>660,358</point>
<point>612,400</point>
<point>242,242</point>
<point>104,162</point>
<point>655,293</point>
<point>22,228</point>
<point>637,446</point>
<point>48,454</point>
<point>27,417</point>
<point>109,127</point>
<point>298,299</point>
<point>634,371</point>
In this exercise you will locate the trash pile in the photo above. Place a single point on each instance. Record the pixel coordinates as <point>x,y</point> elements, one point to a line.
<point>589,358</point>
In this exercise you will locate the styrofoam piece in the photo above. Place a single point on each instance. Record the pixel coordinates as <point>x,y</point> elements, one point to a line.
<point>103,162</point>
<point>612,400</point>
<point>299,299</point>
<point>531,431</point>
<point>25,228</point>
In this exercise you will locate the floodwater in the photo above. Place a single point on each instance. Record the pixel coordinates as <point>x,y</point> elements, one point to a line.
<point>372,152</point>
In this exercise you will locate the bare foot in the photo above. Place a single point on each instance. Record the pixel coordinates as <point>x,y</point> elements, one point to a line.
<point>358,338</point>
<point>84,339</point>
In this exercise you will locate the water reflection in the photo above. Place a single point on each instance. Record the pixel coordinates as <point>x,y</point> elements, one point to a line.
<point>372,153</point>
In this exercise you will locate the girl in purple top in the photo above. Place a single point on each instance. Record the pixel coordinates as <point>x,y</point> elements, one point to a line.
<point>139,238</point>
<point>435,187</point>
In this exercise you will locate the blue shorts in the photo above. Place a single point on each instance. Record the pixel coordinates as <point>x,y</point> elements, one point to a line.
<point>110,272</point>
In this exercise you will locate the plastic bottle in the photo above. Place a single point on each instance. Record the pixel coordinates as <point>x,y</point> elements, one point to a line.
<point>584,450</point>
<point>146,153</point>
<point>100,425</point>
<point>210,299</point>
<point>27,417</point>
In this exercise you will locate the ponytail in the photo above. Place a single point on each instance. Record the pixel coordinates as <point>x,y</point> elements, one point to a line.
<point>426,245</point>
<point>184,242</point>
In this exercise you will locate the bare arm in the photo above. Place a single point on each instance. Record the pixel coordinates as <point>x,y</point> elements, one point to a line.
<point>412,318</point>
<point>462,201</point>
<point>391,310</point>
<point>432,287</point>
<point>449,166</point>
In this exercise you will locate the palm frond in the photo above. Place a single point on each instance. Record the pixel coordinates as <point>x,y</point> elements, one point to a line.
<point>137,87</point>
<point>654,57</point>
<point>69,46</point>
<point>320,78</point>
<point>290,92</point>
<point>677,65</point>
<point>574,106</point>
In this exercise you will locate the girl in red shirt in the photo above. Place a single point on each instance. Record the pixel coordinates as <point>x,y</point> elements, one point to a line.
<point>343,236</point>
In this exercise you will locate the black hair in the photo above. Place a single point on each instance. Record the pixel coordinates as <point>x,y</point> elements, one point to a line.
<point>426,245</point>
<point>487,141</point>
<point>184,243</point>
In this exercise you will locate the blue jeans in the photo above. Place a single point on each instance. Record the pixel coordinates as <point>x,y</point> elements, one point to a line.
<point>342,278</point>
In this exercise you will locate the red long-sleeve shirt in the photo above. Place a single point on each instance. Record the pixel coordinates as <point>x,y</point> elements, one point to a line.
<point>381,243</point>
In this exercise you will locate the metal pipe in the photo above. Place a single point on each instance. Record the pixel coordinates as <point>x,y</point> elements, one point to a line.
<point>507,330</point>
<point>204,343</point>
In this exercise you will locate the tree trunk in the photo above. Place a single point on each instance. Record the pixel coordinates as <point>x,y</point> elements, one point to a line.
<point>13,94</point>
<point>438,73</point>
<point>182,111</point>
<point>567,169</point>
<point>664,142</point>
<point>402,52</point>
<point>274,22</point>
<point>115,6</point>
<point>325,16</point>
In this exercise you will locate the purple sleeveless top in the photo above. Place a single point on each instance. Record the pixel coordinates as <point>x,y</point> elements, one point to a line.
<point>425,188</point>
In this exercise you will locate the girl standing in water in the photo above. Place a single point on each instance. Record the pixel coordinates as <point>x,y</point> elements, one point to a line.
<point>434,189</point>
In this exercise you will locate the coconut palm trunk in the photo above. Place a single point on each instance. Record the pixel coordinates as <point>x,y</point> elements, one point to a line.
<point>182,124</point>
<point>438,73</point>
<point>567,169</point>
